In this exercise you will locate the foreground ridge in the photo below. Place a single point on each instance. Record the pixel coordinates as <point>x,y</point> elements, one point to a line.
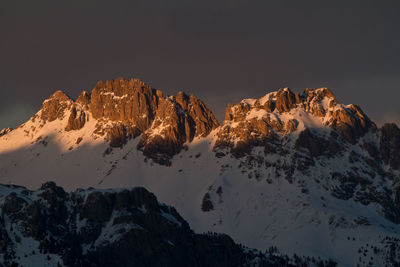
<point>126,227</point>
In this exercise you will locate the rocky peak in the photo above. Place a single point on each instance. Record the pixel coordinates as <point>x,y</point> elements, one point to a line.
<point>286,100</point>
<point>125,109</point>
<point>54,107</point>
<point>129,101</point>
<point>83,99</point>
<point>280,113</point>
<point>182,99</point>
<point>5,131</point>
<point>60,96</point>
<point>165,123</point>
<point>178,120</point>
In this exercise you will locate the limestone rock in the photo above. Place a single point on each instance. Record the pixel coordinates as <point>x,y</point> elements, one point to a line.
<point>129,101</point>
<point>351,122</point>
<point>126,109</point>
<point>76,120</point>
<point>285,100</point>
<point>278,114</point>
<point>55,107</point>
<point>177,120</point>
<point>83,99</point>
<point>291,125</point>
<point>5,131</point>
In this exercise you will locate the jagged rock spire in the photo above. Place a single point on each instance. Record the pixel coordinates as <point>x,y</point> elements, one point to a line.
<point>256,121</point>
<point>131,108</point>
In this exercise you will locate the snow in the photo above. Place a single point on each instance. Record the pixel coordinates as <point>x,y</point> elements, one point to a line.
<point>170,218</point>
<point>262,100</point>
<point>143,209</point>
<point>253,211</point>
<point>158,131</point>
<point>27,252</point>
<point>112,232</point>
<point>249,101</point>
<point>114,96</point>
<point>256,113</point>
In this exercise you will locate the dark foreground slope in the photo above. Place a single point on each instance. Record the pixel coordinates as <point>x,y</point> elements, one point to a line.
<point>50,227</point>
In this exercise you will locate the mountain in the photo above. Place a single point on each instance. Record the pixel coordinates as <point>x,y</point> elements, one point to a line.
<point>127,109</point>
<point>120,227</point>
<point>301,172</point>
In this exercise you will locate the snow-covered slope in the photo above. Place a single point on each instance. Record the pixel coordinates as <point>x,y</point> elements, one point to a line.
<point>302,172</point>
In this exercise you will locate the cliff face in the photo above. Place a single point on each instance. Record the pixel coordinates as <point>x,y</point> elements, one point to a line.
<point>280,113</point>
<point>126,109</point>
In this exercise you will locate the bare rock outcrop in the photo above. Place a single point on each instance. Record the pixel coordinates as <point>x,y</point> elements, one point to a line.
<point>252,122</point>
<point>286,100</point>
<point>178,120</point>
<point>126,109</point>
<point>55,107</point>
<point>129,101</point>
<point>165,123</point>
<point>351,122</point>
<point>5,131</point>
<point>83,99</point>
<point>76,120</point>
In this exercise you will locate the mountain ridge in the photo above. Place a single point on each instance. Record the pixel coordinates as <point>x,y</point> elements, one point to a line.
<point>132,118</point>
<point>277,171</point>
<point>135,109</point>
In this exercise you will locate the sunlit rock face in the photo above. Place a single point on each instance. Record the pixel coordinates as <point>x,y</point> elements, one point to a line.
<point>280,113</point>
<point>126,109</point>
<point>55,107</point>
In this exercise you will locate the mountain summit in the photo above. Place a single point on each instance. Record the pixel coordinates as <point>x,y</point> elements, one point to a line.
<point>282,113</point>
<point>301,172</point>
<point>125,109</point>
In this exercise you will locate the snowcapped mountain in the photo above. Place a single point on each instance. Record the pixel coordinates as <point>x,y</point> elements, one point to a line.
<point>301,172</point>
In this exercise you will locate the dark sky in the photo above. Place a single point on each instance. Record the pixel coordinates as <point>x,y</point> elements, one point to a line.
<point>221,51</point>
